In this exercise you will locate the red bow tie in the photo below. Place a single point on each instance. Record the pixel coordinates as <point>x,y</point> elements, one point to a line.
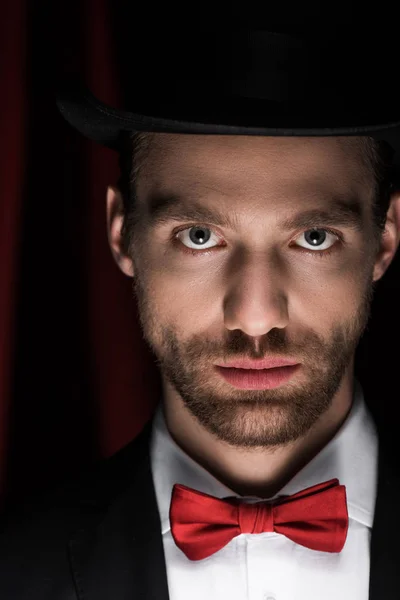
<point>315,518</point>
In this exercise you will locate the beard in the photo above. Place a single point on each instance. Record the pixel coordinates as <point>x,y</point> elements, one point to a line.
<point>253,418</point>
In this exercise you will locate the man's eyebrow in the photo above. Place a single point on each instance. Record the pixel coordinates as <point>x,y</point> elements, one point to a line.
<point>167,208</point>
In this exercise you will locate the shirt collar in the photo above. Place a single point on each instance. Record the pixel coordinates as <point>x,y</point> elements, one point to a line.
<point>350,456</point>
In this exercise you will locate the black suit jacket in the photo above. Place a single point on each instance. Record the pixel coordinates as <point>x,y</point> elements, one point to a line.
<point>100,538</point>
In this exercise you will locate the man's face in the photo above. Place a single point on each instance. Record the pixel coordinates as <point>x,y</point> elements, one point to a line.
<point>253,288</point>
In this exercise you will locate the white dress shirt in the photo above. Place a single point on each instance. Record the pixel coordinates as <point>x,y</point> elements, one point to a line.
<point>269,566</point>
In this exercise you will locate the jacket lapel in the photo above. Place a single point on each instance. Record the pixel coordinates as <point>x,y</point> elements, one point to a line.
<point>119,553</point>
<point>385,547</point>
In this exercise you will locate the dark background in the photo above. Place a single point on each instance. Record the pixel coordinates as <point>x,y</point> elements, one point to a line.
<point>76,379</point>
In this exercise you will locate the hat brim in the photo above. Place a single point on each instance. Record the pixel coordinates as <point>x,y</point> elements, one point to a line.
<point>104,124</point>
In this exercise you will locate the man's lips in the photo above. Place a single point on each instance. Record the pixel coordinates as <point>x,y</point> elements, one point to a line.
<point>258,379</point>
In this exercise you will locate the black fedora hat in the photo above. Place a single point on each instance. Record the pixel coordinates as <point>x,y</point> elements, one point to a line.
<point>248,82</point>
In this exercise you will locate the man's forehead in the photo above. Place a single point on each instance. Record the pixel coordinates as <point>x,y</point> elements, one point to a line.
<point>230,163</point>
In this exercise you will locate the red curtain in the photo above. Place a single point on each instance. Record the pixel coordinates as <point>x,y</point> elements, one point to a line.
<point>76,379</point>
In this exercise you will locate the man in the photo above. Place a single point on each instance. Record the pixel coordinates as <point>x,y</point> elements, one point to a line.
<point>255,228</point>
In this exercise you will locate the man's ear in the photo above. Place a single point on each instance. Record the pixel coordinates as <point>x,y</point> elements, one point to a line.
<point>115,219</point>
<point>390,238</point>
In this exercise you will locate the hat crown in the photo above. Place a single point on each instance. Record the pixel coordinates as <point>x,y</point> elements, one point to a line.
<point>340,71</point>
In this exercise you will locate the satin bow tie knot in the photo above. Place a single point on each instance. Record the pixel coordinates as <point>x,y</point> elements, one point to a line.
<point>255,518</point>
<point>316,518</point>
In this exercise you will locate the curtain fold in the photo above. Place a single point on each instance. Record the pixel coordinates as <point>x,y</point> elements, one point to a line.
<point>77,380</point>
<point>12,167</point>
